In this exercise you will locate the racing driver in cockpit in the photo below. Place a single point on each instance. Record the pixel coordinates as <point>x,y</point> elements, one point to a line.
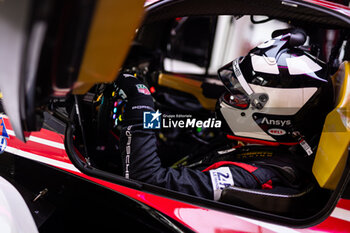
<point>276,81</point>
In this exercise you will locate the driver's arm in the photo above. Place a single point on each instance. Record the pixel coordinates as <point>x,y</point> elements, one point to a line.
<point>139,152</point>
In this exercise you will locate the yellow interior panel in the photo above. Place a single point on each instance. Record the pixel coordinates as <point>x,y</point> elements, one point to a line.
<point>112,29</point>
<point>332,152</point>
<point>187,85</point>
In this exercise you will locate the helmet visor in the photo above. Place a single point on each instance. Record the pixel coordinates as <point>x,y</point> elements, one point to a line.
<point>233,79</point>
<point>238,100</point>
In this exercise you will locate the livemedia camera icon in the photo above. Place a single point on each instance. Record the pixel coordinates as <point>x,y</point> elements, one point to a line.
<point>152,120</point>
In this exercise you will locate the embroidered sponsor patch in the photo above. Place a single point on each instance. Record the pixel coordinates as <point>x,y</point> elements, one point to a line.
<point>306,147</point>
<point>221,152</point>
<point>122,94</point>
<point>141,88</point>
<point>220,179</point>
<point>277,132</point>
<point>254,154</point>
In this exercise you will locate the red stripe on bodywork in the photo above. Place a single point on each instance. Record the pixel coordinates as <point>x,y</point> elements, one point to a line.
<point>49,135</point>
<point>332,225</point>
<point>39,149</point>
<point>344,204</point>
<point>43,133</point>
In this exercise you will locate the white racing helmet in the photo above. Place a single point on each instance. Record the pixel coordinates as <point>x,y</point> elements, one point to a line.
<point>277,94</point>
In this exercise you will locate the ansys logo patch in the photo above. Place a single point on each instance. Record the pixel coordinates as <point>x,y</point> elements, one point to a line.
<point>151,120</point>
<point>3,136</point>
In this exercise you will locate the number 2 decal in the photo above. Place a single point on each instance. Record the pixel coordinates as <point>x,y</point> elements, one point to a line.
<point>220,175</point>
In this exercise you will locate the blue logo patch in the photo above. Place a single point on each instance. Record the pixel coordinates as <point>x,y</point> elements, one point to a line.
<point>3,131</point>
<point>3,144</point>
<point>151,120</point>
<point>3,136</point>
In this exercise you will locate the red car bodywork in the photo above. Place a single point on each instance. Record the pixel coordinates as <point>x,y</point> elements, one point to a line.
<point>48,147</point>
